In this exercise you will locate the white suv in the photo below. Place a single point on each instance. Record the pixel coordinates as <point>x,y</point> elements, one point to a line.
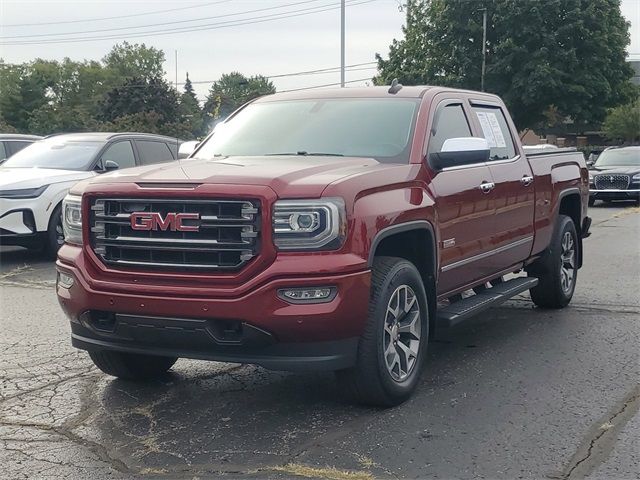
<point>34,181</point>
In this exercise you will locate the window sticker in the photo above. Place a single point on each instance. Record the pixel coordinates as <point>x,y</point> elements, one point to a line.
<point>491,129</point>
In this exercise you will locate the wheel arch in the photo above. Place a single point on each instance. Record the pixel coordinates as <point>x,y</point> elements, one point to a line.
<point>414,241</point>
<point>570,204</point>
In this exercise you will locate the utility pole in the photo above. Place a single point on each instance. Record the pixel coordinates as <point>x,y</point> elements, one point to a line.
<point>176,77</point>
<point>342,43</point>
<point>484,47</point>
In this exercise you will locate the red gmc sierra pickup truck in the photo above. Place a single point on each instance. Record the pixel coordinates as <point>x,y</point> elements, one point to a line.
<point>334,229</point>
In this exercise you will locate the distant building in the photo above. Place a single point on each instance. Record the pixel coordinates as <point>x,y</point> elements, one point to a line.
<point>635,64</point>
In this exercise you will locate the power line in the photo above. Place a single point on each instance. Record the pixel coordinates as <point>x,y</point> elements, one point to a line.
<point>325,85</point>
<point>350,68</point>
<point>214,26</point>
<point>175,22</point>
<point>100,19</point>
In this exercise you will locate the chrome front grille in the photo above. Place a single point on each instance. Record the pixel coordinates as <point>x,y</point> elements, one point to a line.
<point>611,182</point>
<point>214,234</point>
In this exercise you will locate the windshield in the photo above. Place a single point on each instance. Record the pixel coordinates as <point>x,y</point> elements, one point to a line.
<point>378,128</point>
<point>619,157</point>
<point>56,154</point>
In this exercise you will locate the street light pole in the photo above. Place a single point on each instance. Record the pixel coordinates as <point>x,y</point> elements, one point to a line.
<point>484,47</point>
<point>342,43</point>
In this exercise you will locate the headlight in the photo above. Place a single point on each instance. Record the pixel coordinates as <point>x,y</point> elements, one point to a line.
<point>72,219</point>
<point>636,176</point>
<point>23,193</point>
<point>309,224</point>
<point>590,177</point>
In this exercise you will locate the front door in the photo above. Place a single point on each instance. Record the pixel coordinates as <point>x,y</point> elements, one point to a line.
<point>465,210</point>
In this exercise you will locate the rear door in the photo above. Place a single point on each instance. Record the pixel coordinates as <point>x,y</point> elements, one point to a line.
<point>465,212</point>
<point>514,193</point>
<point>152,151</point>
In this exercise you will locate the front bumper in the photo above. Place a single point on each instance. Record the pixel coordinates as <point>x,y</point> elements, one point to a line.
<point>256,326</point>
<point>18,227</point>
<point>629,194</point>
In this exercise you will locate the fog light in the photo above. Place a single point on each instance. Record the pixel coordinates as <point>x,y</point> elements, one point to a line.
<point>65,280</point>
<point>308,295</point>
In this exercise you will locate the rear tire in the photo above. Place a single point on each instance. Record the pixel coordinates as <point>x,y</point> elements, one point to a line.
<point>392,349</point>
<point>557,272</point>
<point>130,366</point>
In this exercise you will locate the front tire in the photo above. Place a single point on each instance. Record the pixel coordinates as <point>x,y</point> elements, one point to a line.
<point>55,233</point>
<point>131,366</point>
<point>392,349</point>
<point>557,273</point>
<point>592,201</point>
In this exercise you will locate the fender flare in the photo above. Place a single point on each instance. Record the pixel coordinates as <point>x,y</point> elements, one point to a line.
<point>401,228</point>
<point>430,282</point>
<point>565,193</point>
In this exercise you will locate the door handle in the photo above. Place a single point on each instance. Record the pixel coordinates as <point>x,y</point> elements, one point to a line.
<point>526,180</point>
<point>486,187</point>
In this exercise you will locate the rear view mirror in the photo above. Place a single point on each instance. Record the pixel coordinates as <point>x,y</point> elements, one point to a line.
<point>460,151</point>
<point>187,148</point>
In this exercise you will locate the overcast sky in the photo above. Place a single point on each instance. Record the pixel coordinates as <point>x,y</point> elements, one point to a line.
<point>309,40</point>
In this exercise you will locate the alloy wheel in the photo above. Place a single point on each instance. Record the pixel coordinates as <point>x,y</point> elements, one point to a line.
<point>567,262</point>
<point>402,330</point>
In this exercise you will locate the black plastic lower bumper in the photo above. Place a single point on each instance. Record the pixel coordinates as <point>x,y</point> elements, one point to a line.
<point>208,340</point>
<point>632,194</point>
<point>29,240</point>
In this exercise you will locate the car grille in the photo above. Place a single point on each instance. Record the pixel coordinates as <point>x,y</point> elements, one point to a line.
<point>611,182</point>
<point>227,233</point>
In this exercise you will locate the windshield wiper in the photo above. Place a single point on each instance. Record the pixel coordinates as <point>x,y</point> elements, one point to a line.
<point>303,153</point>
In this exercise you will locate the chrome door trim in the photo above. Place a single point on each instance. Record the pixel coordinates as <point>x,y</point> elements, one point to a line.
<point>480,256</point>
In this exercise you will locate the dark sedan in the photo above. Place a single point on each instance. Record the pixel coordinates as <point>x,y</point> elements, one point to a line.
<point>616,175</point>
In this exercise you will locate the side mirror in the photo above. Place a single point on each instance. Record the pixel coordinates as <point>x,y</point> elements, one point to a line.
<point>590,163</point>
<point>460,151</point>
<point>187,148</point>
<point>110,166</point>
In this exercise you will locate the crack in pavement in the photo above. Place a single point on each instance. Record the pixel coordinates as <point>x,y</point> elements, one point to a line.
<point>96,448</point>
<point>17,271</point>
<point>37,284</point>
<point>47,385</point>
<point>601,438</point>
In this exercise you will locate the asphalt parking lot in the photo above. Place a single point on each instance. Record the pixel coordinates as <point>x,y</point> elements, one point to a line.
<point>516,393</point>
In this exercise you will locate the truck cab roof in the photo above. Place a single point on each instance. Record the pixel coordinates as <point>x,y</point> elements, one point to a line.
<point>366,92</point>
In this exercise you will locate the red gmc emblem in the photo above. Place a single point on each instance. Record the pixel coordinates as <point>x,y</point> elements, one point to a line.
<point>173,221</point>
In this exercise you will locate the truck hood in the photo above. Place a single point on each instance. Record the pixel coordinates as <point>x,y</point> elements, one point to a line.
<point>616,170</point>
<point>17,178</point>
<point>290,176</point>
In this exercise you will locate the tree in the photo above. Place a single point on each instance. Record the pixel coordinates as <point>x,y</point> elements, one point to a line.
<point>126,61</point>
<point>234,90</point>
<point>139,94</point>
<point>562,55</point>
<point>190,110</point>
<point>623,122</point>
<point>10,95</point>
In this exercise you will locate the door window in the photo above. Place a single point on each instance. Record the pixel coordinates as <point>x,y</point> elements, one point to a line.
<point>121,153</point>
<point>15,147</point>
<point>450,122</point>
<point>3,152</point>
<point>496,130</point>
<point>153,152</point>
